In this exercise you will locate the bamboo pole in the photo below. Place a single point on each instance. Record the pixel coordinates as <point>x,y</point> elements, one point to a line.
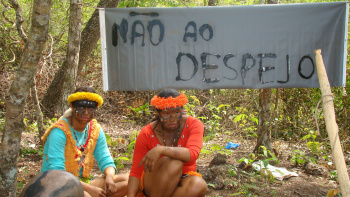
<point>331,125</point>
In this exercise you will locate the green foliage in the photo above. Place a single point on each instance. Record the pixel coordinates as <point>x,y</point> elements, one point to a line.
<point>245,189</point>
<point>215,148</point>
<point>2,124</point>
<point>248,121</point>
<point>213,122</point>
<point>300,158</point>
<point>240,117</point>
<point>312,144</point>
<point>141,113</point>
<point>209,136</point>
<point>20,183</point>
<point>312,135</point>
<point>133,136</point>
<point>118,161</point>
<point>120,150</point>
<point>205,151</point>
<point>130,147</point>
<point>29,150</point>
<point>263,154</point>
<point>48,122</point>
<point>86,180</point>
<point>334,175</point>
<point>141,110</point>
<point>243,118</point>
<point>248,160</point>
<point>273,192</point>
<point>268,155</point>
<point>30,127</point>
<point>266,174</point>
<point>193,102</point>
<point>211,185</point>
<point>314,147</point>
<point>232,171</point>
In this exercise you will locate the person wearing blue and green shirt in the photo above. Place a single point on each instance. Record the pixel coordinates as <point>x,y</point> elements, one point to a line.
<point>72,143</point>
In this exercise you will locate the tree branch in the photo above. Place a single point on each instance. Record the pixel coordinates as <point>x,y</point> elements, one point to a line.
<point>19,19</point>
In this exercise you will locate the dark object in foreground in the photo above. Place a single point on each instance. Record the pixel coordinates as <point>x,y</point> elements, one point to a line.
<point>53,183</point>
<point>218,159</point>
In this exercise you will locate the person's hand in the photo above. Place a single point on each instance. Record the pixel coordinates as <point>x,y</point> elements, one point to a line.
<point>151,158</point>
<point>96,192</point>
<point>111,187</point>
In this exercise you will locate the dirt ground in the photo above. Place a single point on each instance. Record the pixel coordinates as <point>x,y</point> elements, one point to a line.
<point>225,178</point>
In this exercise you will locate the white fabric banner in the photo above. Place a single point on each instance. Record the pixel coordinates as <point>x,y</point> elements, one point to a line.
<point>254,46</point>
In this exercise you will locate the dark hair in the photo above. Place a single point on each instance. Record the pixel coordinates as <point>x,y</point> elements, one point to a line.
<point>169,93</point>
<point>85,89</point>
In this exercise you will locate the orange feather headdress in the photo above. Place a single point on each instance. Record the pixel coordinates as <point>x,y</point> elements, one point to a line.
<point>170,102</point>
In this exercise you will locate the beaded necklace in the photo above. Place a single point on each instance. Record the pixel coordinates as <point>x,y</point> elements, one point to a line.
<point>175,139</point>
<point>82,147</point>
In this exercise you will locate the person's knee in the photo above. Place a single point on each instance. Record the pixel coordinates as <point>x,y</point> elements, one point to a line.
<point>98,182</point>
<point>86,194</point>
<point>197,186</point>
<point>123,184</point>
<point>121,178</point>
<point>125,177</point>
<point>174,167</point>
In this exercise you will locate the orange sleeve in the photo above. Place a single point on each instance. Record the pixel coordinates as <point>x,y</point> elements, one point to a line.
<point>195,140</point>
<point>142,146</point>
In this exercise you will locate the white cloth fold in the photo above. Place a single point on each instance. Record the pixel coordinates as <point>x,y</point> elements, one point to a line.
<point>279,173</point>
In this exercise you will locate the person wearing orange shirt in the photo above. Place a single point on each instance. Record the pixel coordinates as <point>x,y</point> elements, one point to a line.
<point>166,150</point>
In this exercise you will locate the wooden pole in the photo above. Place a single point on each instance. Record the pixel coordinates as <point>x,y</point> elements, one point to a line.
<point>331,125</point>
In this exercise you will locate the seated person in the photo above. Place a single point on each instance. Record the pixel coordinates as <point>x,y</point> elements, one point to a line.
<point>72,143</point>
<point>166,150</point>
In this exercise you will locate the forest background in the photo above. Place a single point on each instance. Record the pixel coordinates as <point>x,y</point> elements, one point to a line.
<point>228,114</point>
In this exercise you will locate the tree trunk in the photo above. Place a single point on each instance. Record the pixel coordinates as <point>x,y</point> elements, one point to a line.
<point>38,113</point>
<point>212,2</point>
<point>274,115</point>
<point>273,1</point>
<point>264,132</point>
<point>89,38</point>
<point>15,103</point>
<point>91,33</point>
<point>73,49</point>
<point>64,80</point>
